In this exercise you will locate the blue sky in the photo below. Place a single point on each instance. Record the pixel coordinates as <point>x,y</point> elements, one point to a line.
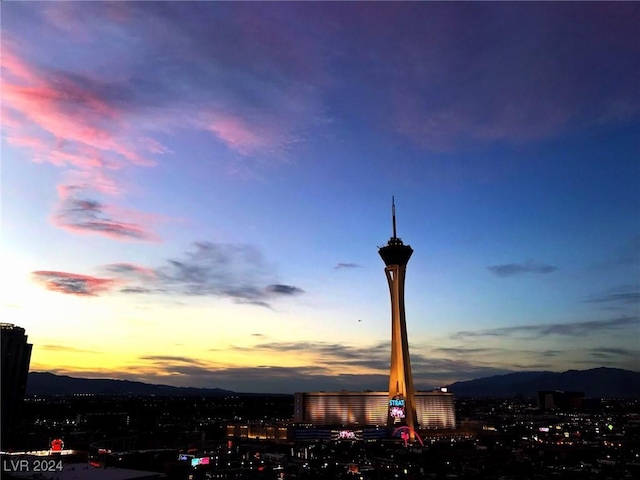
<point>194,193</point>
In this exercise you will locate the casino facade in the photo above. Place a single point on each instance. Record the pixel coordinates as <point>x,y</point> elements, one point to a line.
<point>434,410</point>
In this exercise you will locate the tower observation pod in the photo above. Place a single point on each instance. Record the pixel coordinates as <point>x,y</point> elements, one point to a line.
<point>402,406</point>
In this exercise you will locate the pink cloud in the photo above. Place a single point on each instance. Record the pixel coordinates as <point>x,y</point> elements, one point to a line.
<point>108,228</point>
<point>87,216</point>
<point>33,143</point>
<point>63,121</point>
<point>70,111</point>
<point>9,120</point>
<point>97,180</point>
<point>15,67</point>
<point>237,134</point>
<point>246,136</point>
<point>73,283</point>
<point>67,111</point>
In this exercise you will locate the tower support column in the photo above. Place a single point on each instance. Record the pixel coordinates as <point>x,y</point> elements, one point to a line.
<point>400,377</point>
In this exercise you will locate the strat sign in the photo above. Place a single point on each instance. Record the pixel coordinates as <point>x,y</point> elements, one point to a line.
<point>396,409</point>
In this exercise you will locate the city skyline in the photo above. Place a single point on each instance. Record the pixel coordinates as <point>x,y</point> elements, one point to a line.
<point>193,193</point>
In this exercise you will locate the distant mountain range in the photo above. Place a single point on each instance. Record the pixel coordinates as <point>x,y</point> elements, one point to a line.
<point>43,383</point>
<point>598,382</point>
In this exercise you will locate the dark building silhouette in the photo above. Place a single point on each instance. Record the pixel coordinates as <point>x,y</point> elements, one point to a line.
<point>548,400</point>
<point>16,355</point>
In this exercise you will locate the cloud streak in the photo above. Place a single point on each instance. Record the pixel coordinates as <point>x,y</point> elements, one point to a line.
<point>67,349</point>
<point>626,255</point>
<point>629,298</point>
<point>604,352</point>
<point>73,283</point>
<point>336,367</point>
<point>577,329</point>
<point>130,269</point>
<point>333,366</point>
<point>83,215</point>
<point>283,289</point>
<point>372,361</point>
<point>229,270</point>
<point>341,266</point>
<point>514,269</point>
<point>233,271</point>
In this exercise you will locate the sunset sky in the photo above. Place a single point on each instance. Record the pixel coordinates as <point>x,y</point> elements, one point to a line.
<point>193,194</point>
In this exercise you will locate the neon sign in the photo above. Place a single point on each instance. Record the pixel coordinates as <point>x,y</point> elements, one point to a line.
<point>57,445</point>
<point>396,409</point>
<point>405,434</point>
<point>396,412</point>
<point>199,461</point>
<point>346,435</point>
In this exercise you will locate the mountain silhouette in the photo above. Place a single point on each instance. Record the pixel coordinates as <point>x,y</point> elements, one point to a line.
<point>598,383</point>
<point>44,383</point>
<point>595,383</point>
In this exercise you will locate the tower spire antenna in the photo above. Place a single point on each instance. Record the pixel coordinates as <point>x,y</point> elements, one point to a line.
<point>393,214</point>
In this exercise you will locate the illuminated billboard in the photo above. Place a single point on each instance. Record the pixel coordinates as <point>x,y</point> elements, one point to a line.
<point>397,408</point>
<point>346,434</point>
<point>199,461</point>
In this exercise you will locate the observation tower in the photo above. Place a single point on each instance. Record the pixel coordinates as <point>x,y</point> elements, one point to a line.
<point>402,406</point>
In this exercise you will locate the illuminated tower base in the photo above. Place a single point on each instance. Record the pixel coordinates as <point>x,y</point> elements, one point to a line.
<point>402,411</point>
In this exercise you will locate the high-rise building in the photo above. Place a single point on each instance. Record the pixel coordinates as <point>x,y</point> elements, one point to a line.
<point>402,406</point>
<point>16,355</point>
